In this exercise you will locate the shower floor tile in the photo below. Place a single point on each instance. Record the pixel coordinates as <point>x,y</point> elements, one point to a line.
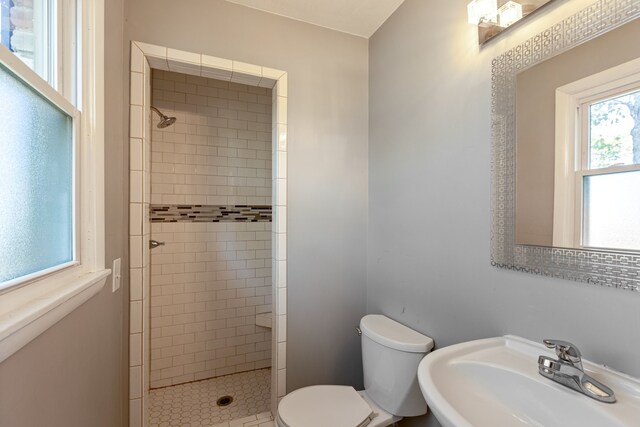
<point>194,404</point>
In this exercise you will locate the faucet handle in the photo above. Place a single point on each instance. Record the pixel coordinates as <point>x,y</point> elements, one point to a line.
<point>565,350</point>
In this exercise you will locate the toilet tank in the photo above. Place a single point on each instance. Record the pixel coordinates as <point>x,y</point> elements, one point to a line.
<point>391,353</point>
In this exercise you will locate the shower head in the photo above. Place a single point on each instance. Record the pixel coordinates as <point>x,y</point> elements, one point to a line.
<point>165,121</point>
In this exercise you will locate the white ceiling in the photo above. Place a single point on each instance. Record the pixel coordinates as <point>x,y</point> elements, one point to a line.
<point>359,17</point>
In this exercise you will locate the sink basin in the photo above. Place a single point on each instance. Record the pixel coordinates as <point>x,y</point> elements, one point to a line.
<point>495,382</point>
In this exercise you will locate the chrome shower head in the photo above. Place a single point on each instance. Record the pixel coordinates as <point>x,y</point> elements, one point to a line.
<point>165,121</point>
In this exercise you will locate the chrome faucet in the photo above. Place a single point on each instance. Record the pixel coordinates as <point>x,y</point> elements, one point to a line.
<point>568,371</point>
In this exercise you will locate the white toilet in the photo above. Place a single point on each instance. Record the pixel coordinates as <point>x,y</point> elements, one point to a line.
<point>390,356</point>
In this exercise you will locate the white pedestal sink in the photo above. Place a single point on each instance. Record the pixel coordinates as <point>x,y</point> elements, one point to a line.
<point>495,383</point>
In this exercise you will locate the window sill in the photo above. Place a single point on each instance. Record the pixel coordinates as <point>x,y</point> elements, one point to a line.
<point>27,312</point>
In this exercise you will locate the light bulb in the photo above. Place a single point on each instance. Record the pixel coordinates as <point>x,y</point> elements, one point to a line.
<point>509,13</point>
<point>482,11</point>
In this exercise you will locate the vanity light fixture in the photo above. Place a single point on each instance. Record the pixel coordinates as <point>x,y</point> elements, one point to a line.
<point>480,11</point>
<point>509,13</point>
<point>492,17</point>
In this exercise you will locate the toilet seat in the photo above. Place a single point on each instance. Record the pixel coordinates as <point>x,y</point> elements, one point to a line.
<point>324,405</point>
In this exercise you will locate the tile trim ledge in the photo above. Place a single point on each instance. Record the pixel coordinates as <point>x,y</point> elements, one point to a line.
<point>27,312</point>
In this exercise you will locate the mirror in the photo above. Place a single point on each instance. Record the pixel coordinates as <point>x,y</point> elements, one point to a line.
<point>541,197</point>
<point>536,227</point>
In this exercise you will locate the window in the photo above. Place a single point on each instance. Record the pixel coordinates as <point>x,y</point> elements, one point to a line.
<point>610,170</point>
<point>52,170</point>
<point>597,179</point>
<point>26,33</point>
<point>38,221</point>
<point>41,33</point>
<point>37,218</point>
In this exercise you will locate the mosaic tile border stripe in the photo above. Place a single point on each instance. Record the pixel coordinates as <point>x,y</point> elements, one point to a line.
<point>210,213</point>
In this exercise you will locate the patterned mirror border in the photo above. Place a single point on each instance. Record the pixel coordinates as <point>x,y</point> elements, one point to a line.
<point>611,269</point>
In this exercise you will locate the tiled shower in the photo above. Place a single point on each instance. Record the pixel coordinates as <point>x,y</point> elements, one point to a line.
<point>211,207</point>
<point>145,59</point>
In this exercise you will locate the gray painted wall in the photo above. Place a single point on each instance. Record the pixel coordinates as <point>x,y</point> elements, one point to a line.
<point>75,373</point>
<point>429,155</point>
<point>327,193</point>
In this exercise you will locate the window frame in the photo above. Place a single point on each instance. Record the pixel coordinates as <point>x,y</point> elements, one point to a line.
<point>31,79</point>
<point>31,308</point>
<point>572,147</point>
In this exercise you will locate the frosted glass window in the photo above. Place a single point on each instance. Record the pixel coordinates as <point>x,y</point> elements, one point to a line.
<point>612,210</point>
<point>36,181</point>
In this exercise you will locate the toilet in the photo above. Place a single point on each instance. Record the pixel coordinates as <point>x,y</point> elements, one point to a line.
<point>391,353</point>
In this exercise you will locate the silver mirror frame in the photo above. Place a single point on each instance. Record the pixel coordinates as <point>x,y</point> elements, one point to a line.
<point>612,269</point>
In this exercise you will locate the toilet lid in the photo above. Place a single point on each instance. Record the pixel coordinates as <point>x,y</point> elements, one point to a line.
<point>324,405</point>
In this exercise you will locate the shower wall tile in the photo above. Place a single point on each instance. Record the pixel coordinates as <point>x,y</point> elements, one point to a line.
<point>135,382</point>
<point>135,309</point>
<point>137,59</point>
<point>283,86</point>
<point>135,284</point>
<point>136,96</point>
<point>135,413</point>
<point>181,56</point>
<point>135,154</point>
<point>281,215</point>
<point>135,349</point>
<point>218,63</point>
<point>219,151</point>
<point>135,245</point>
<point>135,121</point>
<point>135,218</point>
<point>136,188</point>
<point>209,280</point>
